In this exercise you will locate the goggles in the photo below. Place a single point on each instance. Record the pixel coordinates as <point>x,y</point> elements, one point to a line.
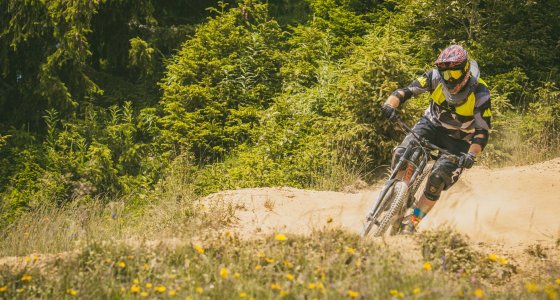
<point>454,74</point>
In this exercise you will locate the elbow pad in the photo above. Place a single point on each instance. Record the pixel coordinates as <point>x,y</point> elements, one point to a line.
<point>407,94</point>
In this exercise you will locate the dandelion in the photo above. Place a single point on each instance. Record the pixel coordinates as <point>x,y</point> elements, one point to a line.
<point>224,273</point>
<point>3,289</point>
<point>275,286</point>
<point>135,288</point>
<point>199,290</point>
<point>416,291</point>
<point>35,257</point>
<point>26,278</point>
<point>121,264</point>
<point>531,287</point>
<point>269,260</point>
<point>135,281</point>
<point>479,293</point>
<point>503,260</point>
<point>71,292</point>
<point>311,286</point>
<point>172,293</point>
<point>160,289</point>
<point>290,277</point>
<point>144,294</point>
<point>427,266</point>
<point>492,257</point>
<point>199,249</point>
<point>353,294</point>
<point>242,295</point>
<point>27,259</point>
<point>258,267</point>
<point>396,293</point>
<point>551,292</point>
<point>280,237</point>
<point>149,285</point>
<point>350,250</point>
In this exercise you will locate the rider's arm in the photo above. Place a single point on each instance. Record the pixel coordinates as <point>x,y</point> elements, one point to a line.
<point>482,119</point>
<point>420,85</point>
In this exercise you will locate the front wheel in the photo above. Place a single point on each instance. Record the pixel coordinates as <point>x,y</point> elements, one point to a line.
<point>391,208</point>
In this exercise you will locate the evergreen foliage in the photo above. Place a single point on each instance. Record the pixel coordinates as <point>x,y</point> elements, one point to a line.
<point>100,99</point>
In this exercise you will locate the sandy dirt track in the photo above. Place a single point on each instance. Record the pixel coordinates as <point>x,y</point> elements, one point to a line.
<point>511,206</point>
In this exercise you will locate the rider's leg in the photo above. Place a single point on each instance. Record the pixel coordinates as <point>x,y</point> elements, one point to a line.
<point>443,175</point>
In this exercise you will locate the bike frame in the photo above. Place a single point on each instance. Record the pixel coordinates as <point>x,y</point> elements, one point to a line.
<point>413,161</point>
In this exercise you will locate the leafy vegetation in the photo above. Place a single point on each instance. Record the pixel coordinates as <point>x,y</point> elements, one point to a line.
<point>101,100</point>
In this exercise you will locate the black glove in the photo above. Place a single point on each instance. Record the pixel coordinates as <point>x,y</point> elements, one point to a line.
<point>466,161</point>
<point>389,112</point>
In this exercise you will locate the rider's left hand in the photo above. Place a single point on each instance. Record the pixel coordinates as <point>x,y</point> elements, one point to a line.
<point>467,161</point>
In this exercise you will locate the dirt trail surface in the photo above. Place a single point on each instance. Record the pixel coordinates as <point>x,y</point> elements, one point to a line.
<point>511,206</point>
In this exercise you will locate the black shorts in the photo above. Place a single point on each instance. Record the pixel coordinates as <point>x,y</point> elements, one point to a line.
<point>438,136</point>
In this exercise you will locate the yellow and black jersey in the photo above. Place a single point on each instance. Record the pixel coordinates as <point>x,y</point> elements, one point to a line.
<point>462,121</point>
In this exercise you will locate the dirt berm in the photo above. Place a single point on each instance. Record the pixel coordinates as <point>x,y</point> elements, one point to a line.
<point>510,206</point>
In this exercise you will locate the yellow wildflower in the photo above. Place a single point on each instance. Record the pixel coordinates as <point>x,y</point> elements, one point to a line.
<point>224,273</point>
<point>26,278</point>
<point>427,266</point>
<point>27,259</point>
<point>71,292</point>
<point>269,260</point>
<point>350,250</point>
<point>416,291</point>
<point>275,286</point>
<point>199,249</point>
<point>135,281</point>
<point>3,289</point>
<point>199,290</point>
<point>146,267</point>
<point>311,286</point>
<point>290,277</point>
<point>479,293</point>
<point>288,264</point>
<point>121,264</point>
<point>531,287</point>
<point>172,293</point>
<point>160,289</point>
<point>149,285</point>
<point>492,257</point>
<point>258,267</point>
<point>135,288</point>
<point>144,294</point>
<point>353,294</point>
<point>558,280</point>
<point>358,264</point>
<point>236,275</point>
<point>260,254</point>
<point>280,237</point>
<point>503,260</point>
<point>242,295</point>
<point>396,293</point>
<point>35,257</point>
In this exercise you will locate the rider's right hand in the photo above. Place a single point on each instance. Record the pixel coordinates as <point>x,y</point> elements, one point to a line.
<point>389,112</point>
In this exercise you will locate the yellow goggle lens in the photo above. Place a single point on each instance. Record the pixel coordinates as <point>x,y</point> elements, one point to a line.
<point>455,74</point>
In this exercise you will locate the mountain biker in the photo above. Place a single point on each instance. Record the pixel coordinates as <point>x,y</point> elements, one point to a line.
<point>457,119</point>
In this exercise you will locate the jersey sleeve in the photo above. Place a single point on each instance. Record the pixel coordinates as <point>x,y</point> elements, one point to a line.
<point>482,108</point>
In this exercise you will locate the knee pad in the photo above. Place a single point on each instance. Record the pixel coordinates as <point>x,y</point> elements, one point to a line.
<point>397,153</point>
<point>436,183</point>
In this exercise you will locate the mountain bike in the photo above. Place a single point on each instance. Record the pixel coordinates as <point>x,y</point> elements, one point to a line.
<point>397,195</point>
